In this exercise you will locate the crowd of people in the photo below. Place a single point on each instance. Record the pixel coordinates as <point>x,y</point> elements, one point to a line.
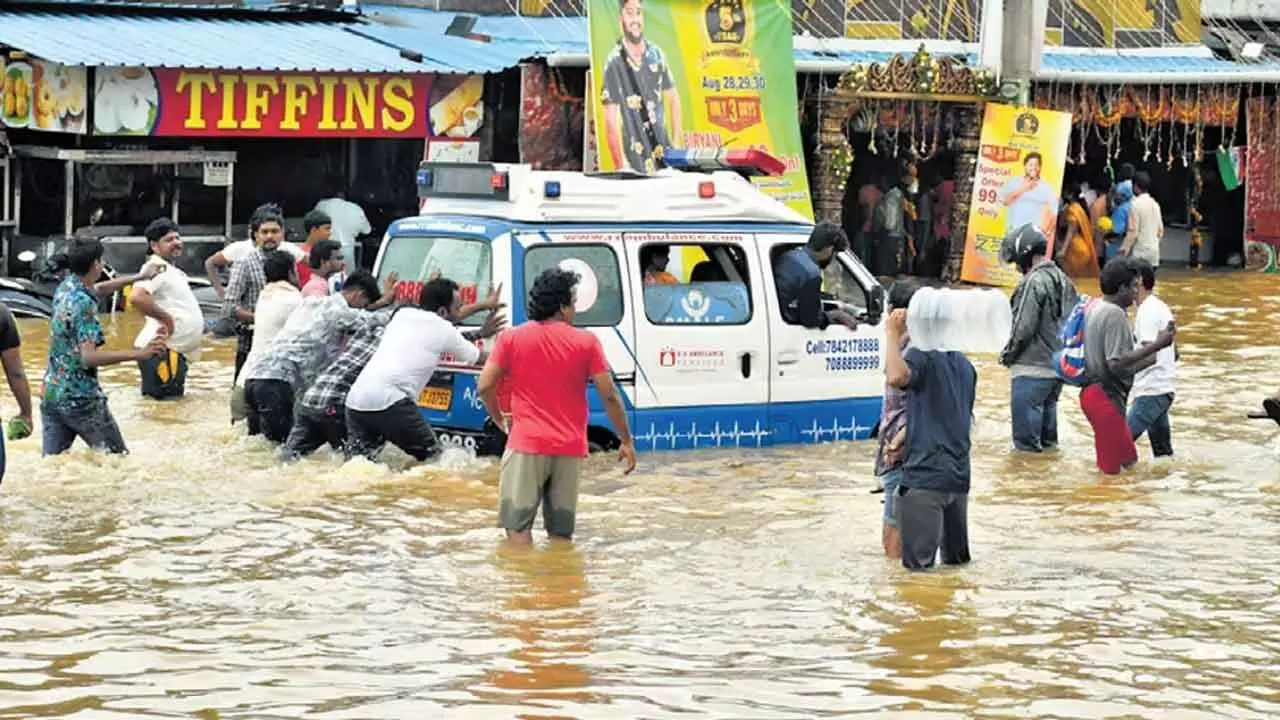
<point>339,364</point>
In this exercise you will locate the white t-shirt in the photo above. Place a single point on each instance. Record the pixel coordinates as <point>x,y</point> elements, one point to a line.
<point>349,222</point>
<point>240,249</point>
<point>407,356</point>
<point>276,303</point>
<point>1153,316</point>
<point>1145,211</point>
<point>173,294</point>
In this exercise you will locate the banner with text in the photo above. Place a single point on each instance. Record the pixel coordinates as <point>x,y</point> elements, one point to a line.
<point>1018,182</point>
<point>696,74</point>
<point>229,103</point>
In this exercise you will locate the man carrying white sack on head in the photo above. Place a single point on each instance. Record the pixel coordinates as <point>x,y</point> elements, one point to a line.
<point>931,506</point>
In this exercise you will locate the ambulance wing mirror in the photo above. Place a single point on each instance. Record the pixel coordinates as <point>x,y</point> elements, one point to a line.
<point>875,304</point>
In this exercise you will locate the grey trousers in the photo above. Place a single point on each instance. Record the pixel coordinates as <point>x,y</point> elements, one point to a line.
<point>930,521</point>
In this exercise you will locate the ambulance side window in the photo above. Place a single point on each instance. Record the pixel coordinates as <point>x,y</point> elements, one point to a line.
<point>600,300</point>
<point>839,284</point>
<point>714,290</point>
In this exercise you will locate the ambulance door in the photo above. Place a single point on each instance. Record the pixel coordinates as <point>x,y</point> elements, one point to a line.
<point>702,348</point>
<point>825,384</point>
<point>604,307</point>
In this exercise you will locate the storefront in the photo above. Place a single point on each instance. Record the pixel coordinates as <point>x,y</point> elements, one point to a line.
<point>309,110</point>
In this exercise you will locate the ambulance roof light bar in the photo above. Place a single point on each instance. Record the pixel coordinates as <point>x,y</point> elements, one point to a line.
<point>748,163</point>
<point>467,181</point>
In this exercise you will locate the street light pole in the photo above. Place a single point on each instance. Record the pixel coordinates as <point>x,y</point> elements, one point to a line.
<point>1012,43</point>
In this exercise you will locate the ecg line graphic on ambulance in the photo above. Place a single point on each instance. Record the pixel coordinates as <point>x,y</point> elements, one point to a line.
<point>717,434</point>
<point>836,432</point>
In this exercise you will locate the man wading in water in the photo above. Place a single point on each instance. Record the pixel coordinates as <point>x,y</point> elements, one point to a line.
<point>73,404</point>
<point>1111,361</point>
<point>546,364</point>
<point>171,312</point>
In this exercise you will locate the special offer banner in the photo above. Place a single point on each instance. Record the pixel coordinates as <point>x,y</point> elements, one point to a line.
<point>230,103</point>
<point>1018,181</point>
<point>696,74</point>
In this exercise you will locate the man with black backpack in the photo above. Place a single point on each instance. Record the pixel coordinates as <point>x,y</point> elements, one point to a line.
<point>1041,301</point>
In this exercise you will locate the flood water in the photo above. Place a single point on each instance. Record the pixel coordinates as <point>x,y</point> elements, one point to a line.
<point>198,578</point>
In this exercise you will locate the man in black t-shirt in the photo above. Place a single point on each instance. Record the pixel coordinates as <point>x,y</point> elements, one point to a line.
<point>637,93</point>
<point>11,358</point>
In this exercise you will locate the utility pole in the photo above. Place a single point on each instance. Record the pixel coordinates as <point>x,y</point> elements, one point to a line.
<point>1012,42</point>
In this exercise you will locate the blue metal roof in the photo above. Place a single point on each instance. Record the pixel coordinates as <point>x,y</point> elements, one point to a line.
<point>112,39</point>
<point>513,38</point>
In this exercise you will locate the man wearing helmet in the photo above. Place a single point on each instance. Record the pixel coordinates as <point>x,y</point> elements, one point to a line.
<point>1041,301</point>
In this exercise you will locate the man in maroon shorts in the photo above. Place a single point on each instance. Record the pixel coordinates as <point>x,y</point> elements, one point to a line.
<point>1111,361</point>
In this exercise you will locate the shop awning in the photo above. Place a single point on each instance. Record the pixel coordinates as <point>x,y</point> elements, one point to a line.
<point>495,43</point>
<point>563,42</point>
<point>112,39</point>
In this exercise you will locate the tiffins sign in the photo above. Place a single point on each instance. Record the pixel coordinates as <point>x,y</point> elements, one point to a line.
<point>222,103</point>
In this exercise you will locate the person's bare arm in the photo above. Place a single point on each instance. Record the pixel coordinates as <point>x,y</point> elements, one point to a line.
<point>212,265</point>
<point>487,389</point>
<point>388,291</point>
<point>106,287</point>
<point>1143,356</point>
<point>896,371</point>
<point>613,407</point>
<point>613,135</point>
<point>677,119</point>
<point>1130,232</point>
<point>17,378</point>
<point>93,357</point>
<point>492,302</point>
<point>145,302</point>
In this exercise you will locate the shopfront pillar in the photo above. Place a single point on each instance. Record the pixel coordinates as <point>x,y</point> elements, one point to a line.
<point>834,156</point>
<point>966,145</point>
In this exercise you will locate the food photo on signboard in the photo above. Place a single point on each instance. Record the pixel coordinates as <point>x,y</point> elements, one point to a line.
<point>39,95</point>
<point>456,114</point>
<point>126,101</point>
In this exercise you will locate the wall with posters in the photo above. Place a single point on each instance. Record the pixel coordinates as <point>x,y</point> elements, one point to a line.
<point>1262,187</point>
<point>1018,181</point>
<point>696,73</point>
<point>233,103</point>
<point>39,95</point>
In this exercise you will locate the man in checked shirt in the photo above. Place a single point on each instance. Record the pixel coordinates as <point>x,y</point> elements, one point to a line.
<point>320,417</point>
<point>247,279</point>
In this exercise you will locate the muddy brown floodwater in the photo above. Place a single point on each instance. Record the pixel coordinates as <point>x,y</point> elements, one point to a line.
<point>199,578</point>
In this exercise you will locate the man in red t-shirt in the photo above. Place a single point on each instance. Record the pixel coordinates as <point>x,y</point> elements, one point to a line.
<point>544,366</point>
<point>318,227</point>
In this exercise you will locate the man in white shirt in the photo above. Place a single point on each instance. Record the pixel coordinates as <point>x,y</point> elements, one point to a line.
<point>239,250</point>
<point>348,223</point>
<point>171,311</point>
<point>382,404</point>
<point>1152,392</point>
<point>279,298</point>
<point>1146,223</point>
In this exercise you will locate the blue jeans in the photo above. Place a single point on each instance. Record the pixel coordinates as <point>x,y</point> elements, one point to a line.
<point>1150,414</point>
<point>86,418</point>
<point>891,479</point>
<point>1034,408</point>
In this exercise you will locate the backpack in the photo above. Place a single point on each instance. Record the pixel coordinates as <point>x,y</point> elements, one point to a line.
<point>1068,363</point>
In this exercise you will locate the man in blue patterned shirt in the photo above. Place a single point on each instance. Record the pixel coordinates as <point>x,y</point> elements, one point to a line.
<point>73,404</point>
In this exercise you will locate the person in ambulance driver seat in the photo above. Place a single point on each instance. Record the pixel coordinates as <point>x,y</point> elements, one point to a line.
<point>545,365</point>
<point>932,506</point>
<point>1111,361</point>
<point>172,312</point>
<point>638,93</point>
<point>382,404</point>
<point>798,275</point>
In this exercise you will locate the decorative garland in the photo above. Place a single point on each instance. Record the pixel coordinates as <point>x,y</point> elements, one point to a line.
<point>921,74</point>
<point>839,164</point>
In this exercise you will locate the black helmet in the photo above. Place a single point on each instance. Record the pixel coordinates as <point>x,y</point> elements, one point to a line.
<point>1023,244</point>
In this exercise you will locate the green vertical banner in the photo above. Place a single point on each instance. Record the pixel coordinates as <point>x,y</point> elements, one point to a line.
<point>696,74</point>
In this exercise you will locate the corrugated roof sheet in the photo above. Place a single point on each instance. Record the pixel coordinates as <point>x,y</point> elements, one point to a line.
<point>102,39</point>
<point>513,38</point>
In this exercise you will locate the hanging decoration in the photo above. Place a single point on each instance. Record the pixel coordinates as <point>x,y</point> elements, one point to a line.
<point>918,74</point>
<point>841,163</point>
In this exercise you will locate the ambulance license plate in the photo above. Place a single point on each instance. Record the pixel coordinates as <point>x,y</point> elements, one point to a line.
<point>436,398</point>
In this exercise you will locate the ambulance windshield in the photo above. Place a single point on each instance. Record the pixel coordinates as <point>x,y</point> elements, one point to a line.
<point>463,260</point>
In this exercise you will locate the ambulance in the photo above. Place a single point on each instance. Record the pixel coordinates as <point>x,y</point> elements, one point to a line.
<point>706,362</point>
